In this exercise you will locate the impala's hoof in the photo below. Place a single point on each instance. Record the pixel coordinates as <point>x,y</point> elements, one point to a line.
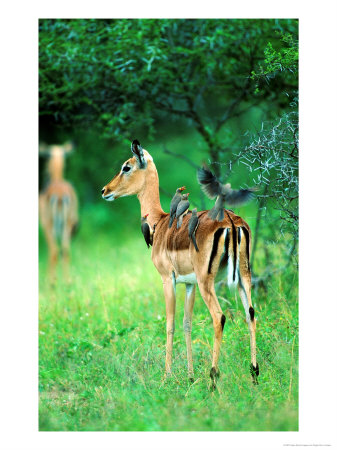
<point>254,371</point>
<point>214,373</point>
<point>168,375</point>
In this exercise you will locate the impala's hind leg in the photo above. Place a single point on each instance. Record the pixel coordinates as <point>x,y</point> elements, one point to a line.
<point>244,287</point>
<point>53,252</point>
<point>208,294</point>
<point>170,301</point>
<point>188,310</point>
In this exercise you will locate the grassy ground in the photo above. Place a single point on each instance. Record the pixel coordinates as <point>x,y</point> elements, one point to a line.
<point>102,346</point>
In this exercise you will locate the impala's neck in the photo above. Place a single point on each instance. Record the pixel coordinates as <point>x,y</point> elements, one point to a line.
<point>55,167</point>
<point>149,196</point>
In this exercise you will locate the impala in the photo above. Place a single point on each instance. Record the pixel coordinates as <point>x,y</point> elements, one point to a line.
<point>58,208</point>
<point>224,244</point>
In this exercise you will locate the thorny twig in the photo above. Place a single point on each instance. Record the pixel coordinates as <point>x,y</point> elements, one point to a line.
<point>273,159</point>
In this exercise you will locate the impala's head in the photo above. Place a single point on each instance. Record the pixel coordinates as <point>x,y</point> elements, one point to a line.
<point>56,155</point>
<point>131,179</point>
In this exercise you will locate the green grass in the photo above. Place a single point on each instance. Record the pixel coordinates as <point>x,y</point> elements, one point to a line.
<point>102,345</point>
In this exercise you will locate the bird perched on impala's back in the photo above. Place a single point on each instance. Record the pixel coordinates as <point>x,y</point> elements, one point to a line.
<point>192,227</point>
<point>182,209</point>
<point>147,231</point>
<point>174,203</point>
<point>224,193</point>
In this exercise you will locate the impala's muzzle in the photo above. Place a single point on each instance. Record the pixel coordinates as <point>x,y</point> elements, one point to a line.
<point>108,197</point>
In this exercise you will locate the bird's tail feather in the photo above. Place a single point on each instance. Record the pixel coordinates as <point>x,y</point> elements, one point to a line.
<point>194,242</point>
<point>213,213</point>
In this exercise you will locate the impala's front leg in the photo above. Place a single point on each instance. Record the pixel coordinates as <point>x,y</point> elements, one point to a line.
<point>66,252</point>
<point>170,300</point>
<point>53,252</point>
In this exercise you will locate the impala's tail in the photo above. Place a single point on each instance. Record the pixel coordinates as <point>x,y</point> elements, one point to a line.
<point>235,252</point>
<point>60,211</point>
<point>231,254</point>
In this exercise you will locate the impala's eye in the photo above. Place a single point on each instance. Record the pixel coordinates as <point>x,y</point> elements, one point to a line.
<point>126,169</point>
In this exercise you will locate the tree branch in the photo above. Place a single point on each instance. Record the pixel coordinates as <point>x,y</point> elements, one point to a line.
<point>179,155</point>
<point>199,124</point>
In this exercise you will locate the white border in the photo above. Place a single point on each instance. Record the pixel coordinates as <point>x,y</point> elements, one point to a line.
<point>318,98</point>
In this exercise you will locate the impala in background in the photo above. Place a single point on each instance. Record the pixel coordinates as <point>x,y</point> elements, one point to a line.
<point>58,208</point>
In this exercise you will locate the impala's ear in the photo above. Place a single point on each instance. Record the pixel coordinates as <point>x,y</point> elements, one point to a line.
<point>137,150</point>
<point>68,147</point>
<point>43,149</point>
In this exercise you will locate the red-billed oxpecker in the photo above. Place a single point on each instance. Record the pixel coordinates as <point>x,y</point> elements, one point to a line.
<point>192,227</point>
<point>174,203</point>
<point>182,209</point>
<point>224,193</point>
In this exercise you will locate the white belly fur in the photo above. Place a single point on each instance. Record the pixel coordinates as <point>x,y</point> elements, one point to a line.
<point>189,278</point>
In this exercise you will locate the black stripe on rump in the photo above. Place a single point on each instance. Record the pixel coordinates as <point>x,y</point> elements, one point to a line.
<point>246,233</point>
<point>225,258</point>
<point>216,238</point>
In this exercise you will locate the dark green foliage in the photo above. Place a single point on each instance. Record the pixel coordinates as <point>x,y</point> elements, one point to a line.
<point>122,77</point>
<point>280,64</point>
